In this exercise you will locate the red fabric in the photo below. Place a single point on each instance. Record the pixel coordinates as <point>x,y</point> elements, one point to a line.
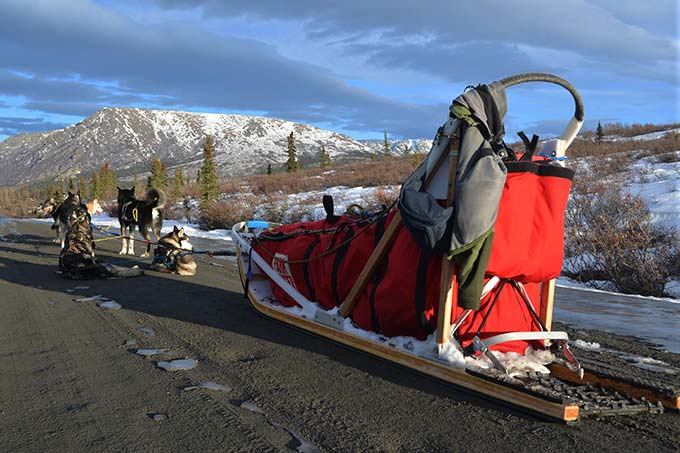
<point>548,228</point>
<point>513,233</point>
<point>528,242</point>
<point>527,247</point>
<point>510,314</point>
<point>293,250</point>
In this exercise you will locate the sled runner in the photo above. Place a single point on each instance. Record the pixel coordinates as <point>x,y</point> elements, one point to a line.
<point>457,280</point>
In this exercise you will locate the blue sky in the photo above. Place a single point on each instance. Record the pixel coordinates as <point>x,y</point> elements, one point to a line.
<point>358,67</point>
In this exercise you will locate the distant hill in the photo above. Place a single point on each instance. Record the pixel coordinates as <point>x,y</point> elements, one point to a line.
<point>130,137</point>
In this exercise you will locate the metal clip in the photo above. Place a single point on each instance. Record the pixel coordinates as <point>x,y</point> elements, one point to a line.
<point>481,347</point>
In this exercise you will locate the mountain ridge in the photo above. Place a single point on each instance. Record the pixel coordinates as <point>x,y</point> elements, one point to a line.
<point>129,137</point>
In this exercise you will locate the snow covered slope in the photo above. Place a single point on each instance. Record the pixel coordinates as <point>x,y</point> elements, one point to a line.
<point>130,137</point>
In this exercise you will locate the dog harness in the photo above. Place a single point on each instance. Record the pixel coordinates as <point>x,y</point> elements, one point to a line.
<point>126,212</point>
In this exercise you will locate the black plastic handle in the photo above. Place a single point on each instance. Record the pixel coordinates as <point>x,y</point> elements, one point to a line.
<point>541,77</point>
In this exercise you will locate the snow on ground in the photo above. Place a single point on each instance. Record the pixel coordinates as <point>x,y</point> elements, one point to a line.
<point>649,136</point>
<point>178,365</point>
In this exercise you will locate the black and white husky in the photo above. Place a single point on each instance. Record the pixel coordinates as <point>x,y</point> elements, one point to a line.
<point>171,254</point>
<point>145,214</point>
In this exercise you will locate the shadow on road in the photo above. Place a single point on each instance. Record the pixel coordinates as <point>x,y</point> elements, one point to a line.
<point>211,298</point>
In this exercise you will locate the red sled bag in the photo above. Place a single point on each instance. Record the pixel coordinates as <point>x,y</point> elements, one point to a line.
<point>528,242</point>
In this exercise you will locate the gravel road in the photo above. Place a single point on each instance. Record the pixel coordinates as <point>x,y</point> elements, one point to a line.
<point>72,380</point>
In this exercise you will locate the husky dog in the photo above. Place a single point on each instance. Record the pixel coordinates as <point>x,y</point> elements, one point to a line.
<point>94,208</point>
<point>77,260</point>
<point>61,216</point>
<point>146,214</point>
<point>170,256</point>
<point>50,205</point>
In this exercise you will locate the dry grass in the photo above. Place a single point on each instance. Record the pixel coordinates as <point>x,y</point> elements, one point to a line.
<point>20,202</point>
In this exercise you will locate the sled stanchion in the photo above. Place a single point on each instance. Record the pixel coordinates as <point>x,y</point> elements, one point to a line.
<point>376,257</point>
<point>447,274</point>
<point>381,249</point>
<point>547,300</point>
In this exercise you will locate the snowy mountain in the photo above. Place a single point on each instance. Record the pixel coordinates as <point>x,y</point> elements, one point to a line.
<point>420,145</point>
<point>130,137</point>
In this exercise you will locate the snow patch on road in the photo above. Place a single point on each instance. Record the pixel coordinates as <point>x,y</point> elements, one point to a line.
<point>178,365</point>
<point>585,345</point>
<point>150,352</point>
<point>110,305</point>
<point>148,331</point>
<point>210,386</point>
<point>252,407</point>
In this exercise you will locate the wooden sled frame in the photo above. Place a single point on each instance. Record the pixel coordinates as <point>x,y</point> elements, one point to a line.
<point>255,272</point>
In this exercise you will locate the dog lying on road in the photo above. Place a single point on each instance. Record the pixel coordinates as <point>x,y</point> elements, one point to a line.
<point>170,254</point>
<point>77,260</point>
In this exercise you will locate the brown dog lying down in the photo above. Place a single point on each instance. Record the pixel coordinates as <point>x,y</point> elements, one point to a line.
<point>77,260</point>
<point>171,255</point>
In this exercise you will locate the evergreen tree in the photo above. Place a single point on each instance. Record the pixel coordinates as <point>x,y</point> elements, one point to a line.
<point>416,159</point>
<point>406,151</point>
<point>159,176</point>
<point>324,158</point>
<point>386,146</point>
<point>84,190</point>
<point>95,188</point>
<point>207,177</point>
<point>107,181</point>
<point>599,132</point>
<point>269,169</point>
<point>135,182</point>
<point>292,164</point>
<point>60,188</point>
<point>177,182</point>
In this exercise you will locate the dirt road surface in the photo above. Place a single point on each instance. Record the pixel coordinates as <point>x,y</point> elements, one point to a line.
<point>71,380</point>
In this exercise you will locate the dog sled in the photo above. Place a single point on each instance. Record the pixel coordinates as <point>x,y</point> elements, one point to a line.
<point>457,280</point>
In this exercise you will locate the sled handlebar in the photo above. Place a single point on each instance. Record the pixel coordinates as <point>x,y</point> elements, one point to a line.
<point>559,146</point>
<point>541,77</point>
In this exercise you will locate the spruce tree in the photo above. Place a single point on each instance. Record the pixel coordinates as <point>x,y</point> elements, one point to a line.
<point>416,159</point>
<point>599,132</point>
<point>177,182</point>
<point>95,188</point>
<point>386,146</point>
<point>60,188</point>
<point>208,173</point>
<point>107,181</point>
<point>292,164</point>
<point>135,182</point>
<point>406,151</point>
<point>82,186</point>
<point>324,158</point>
<point>159,177</point>
<point>269,169</point>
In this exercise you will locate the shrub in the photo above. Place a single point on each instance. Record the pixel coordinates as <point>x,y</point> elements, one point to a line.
<point>610,237</point>
<point>225,214</point>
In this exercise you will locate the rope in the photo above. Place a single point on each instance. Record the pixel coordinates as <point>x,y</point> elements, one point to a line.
<point>335,230</point>
<point>118,236</point>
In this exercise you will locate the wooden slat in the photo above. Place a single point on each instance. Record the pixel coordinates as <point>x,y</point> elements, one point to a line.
<point>547,301</point>
<point>565,374</point>
<point>446,284</point>
<point>376,257</point>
